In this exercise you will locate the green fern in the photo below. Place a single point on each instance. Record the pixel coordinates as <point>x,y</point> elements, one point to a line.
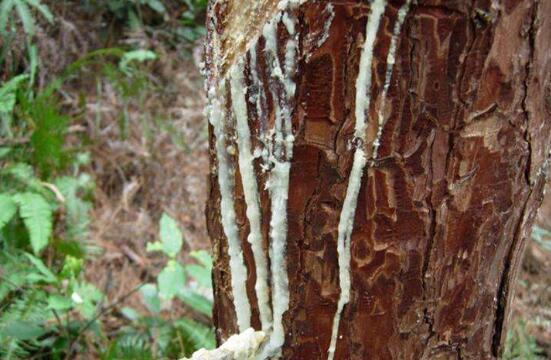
<point>77,209</point>
<point>23,178</point>
<point>8,208</point>
<point>37,215</point>
<point>520,345</point>
<point>8,99</point>
<point>14,276</point>
<point>131,345</point>
<point>195,336</point>
<point>21,325</point>
<point>24,12</point>
<point>7,93</point>
<point>21,191</point>
<point>48,137</point>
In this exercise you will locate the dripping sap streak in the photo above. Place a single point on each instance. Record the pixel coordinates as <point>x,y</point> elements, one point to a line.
<point>281,153</point>
<point>390,60</point>
<point>250,189</point>
<point>346,221</point>
<point>330,9</point>
<point>277,155</point>
<point>217,116</point>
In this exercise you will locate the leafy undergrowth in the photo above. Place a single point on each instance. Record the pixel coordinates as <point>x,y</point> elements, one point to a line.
<point>84,130</point>
<point>529,335</point>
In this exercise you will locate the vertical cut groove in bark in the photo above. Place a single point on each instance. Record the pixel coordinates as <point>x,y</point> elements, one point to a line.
<point>259,98</point>
<point>390,61</point>
<point>217,113</point>
<point>280,158</point>
<point>250,188</point>
<point>346,223</point>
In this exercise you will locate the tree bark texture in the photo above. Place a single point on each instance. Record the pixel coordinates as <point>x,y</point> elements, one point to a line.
<point>399,239</point>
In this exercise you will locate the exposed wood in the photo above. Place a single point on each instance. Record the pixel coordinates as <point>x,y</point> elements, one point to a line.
<point>450,168</point>
<point>237,23</point>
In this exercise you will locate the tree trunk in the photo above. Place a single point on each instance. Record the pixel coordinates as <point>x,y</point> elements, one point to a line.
<point>376,167</point>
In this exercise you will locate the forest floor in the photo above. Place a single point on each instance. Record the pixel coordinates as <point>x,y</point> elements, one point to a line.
<point>159,167</point>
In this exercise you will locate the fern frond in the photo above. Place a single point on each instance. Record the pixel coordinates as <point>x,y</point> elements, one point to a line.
<point>14,269</point>
<point>78,210</point>
<point>24,175</point>
<point>8,208</point>
<point>42,9</point>
<point>46,274</point>
<point>6,7</point>
<point>8,89</point>
<point>195,335</point>
<point>49,135</point>
<point>26,17</point>
<point>129,346</point>
<point>23,9</point>
<point>20,323</point>
<point>36,213</point>
<point>20,171</point>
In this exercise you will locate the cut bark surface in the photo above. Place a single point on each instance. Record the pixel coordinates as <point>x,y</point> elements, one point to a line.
<point>446,205</point>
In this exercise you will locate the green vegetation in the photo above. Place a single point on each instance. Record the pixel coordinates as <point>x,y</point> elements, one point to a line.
<point>48,308</point>
<point>175,21</point>
<point>46,304</point>
<point>520,344</point>
<point>23,9</point>
<point>171,339</point>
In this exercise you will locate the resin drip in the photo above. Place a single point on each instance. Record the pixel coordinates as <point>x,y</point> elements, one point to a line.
<point>250,189</point>
<point>390,60</point>
<point>346,221</point>
<point>217,116</point>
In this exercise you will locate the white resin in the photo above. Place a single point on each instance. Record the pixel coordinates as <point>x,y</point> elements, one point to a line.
<point>250,189</point>
<point>242,346</point>
<point>290,64</point>
<point>276,155</point>
<point>278,184</point>
<point>217,116</point>
<point>245,345</point>
<point>270,35</point>
<point>346,221</point>
<point>325,35</point>
<point>289,23</point>
<point>390,60</point>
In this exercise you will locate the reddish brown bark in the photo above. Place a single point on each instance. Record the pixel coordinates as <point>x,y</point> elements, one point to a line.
<point>443,212</point>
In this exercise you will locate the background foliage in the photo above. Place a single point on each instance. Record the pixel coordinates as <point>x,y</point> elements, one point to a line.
<point>48,307</point>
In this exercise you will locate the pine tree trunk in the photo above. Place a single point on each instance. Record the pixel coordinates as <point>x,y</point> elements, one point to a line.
<point>376,167</point>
